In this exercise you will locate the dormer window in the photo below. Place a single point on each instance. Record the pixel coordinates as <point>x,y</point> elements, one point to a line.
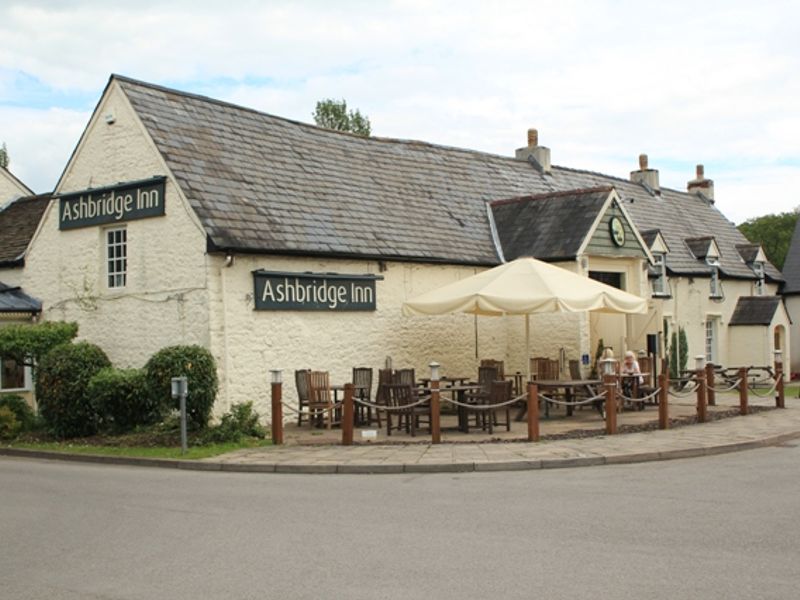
<point>660,272</point>
<point>715,289</point>
<point>758,269</point>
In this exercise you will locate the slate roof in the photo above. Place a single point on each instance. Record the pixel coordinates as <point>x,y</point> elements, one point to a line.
<point>700,246</point>
<point>754,310</point>
<point>547,226</point>
<point>18,222</point>
<point>260,183</point>
<point>748,252</point>
<point>791,266</point>
<point>14,300</point>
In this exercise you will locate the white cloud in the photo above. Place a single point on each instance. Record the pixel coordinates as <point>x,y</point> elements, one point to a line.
<point>603,81</point>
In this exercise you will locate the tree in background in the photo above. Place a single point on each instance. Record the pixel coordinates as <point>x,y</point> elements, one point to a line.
<point>4,156</point>
<point>773,232</point>
<point>333,114</point>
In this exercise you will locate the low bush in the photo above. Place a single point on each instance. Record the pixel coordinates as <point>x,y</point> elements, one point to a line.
<point>9,426</point>
<point>62,382</point>
<point>121,401</point>
<point>23,413</point>
<point>200,369</point>
<point>240,421</point>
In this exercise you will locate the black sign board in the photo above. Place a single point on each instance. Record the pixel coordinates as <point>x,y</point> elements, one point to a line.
<point>112,204</point>
<point>278,290</point>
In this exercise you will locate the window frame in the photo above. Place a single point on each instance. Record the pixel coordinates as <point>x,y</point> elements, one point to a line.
<point>27,382</point>
<point>711,343</point>
<point>116,266</point>
<point>660,263</point>
<point>714,284</point>
<point>761,277</point>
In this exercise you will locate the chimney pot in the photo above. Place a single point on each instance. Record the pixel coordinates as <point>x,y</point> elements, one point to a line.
<point>533,138</point>
<point>643,162</point>
<point>701,172</point>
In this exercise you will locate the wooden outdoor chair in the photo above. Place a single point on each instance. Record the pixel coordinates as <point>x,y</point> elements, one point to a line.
<point>405,377</point>
<point>302,383</point>
<point>362,380</point>
<point>400,395</point>
<point>501,392</point>
<point>497,364</point>
<point>320,399</point>
<point>544,368</point>
<point>486,377</point>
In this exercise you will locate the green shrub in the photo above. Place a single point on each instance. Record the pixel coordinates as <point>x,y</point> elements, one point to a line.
<point>27,344</point>
<point>9,426</point>
<point>121,400</point>
<point>240,421</point>
<point>199,367</point>
<point>22,411</point>
<point>62,382</point>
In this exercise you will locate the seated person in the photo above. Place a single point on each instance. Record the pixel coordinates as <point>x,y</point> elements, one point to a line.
<point>630,366</point>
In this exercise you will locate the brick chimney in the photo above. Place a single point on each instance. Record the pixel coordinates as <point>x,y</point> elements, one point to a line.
<point>646,176</point>
<point>539,154</point>
<point>701,185</point>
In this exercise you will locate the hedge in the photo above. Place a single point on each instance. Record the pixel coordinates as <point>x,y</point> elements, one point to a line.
<point>121,401</point>
<point>62,382</point>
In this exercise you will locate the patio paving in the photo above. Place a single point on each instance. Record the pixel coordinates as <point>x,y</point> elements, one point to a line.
<point>476,452</point>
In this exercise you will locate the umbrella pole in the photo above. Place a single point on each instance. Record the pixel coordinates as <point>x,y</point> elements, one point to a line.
<point>528,345</point>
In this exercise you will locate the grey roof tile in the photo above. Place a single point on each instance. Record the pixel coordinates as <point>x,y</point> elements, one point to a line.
<point>754,310</point>
<point>14,300</point>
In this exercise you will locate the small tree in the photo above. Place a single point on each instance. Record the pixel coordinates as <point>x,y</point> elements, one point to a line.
<point>333,114</point>
<point>4,156</point>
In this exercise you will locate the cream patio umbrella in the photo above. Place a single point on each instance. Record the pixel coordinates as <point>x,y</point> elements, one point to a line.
<point>523,287</point>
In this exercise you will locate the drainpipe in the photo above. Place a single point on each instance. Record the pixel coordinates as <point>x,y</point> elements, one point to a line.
<point>229,261</point>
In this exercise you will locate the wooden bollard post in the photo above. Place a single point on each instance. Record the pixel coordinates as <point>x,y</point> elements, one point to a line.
<point>663,400</point>
<point>700,377</point>
<point>533,412</point>
<point>277,407</point>
<point>436,424</point>
<point>610,383</point>
<point>779,396</point>
<point>348,415</point>
<point>743,409</point>
<point>711,397</point>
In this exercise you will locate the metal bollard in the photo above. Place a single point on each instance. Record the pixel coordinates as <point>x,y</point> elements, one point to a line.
<point>180,388</point>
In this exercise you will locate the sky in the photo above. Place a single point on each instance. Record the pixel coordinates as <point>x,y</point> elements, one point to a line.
<point>716,83</point>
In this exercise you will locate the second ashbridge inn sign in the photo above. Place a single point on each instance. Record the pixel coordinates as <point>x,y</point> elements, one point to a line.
<point>278,290</point>
<point>112,204</point>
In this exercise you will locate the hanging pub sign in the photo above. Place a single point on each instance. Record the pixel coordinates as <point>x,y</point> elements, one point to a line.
<point>278,290</point>
<point>112,204</point>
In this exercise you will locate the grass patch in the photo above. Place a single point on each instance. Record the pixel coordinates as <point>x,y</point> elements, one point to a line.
<point>194,452</point>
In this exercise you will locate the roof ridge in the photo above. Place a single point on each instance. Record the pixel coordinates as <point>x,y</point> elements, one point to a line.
<point>548,195</point>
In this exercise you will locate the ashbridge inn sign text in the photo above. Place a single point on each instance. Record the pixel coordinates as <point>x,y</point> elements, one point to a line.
<point>277,290</point>
<point>112,204</point>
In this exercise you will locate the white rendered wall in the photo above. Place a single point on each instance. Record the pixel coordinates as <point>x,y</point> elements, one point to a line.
<point>165,301</point>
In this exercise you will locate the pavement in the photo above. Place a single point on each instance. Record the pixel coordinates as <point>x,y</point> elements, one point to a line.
<point>732,434</point>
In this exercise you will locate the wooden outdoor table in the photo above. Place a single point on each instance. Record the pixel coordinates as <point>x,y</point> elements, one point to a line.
<point>570,387</point>
<point>359,391</point>
<point>461,391</point>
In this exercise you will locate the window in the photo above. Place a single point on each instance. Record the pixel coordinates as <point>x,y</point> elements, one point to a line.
<point>609,278</point>
<point>660,279</point>
<point>758,268</point>
<point>13,375</point>
<point>711,340</point>
<point>715,289</point>
<point>117,257</point>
